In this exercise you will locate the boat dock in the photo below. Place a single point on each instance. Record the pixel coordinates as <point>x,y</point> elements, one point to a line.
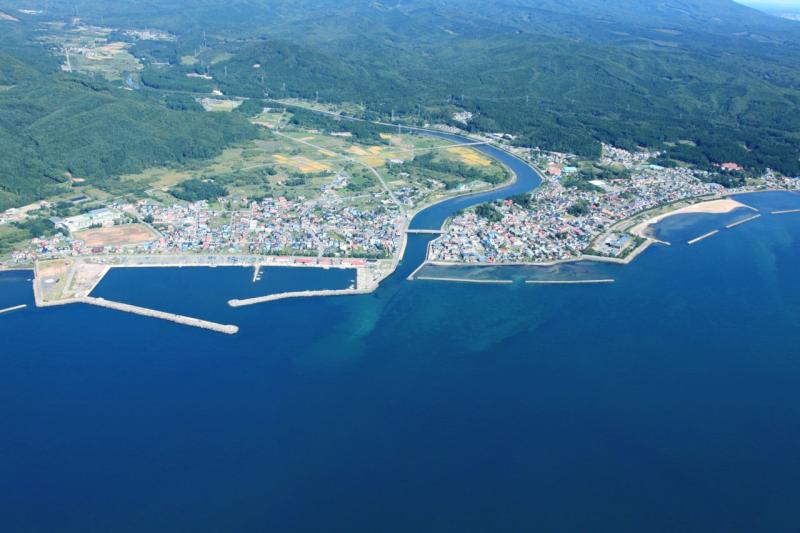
<point>15,308</point>
<point>705,236</point>
<point>296,294</point>
<point>748,219</point>
<point>785,211</point>
<point>256,273</point>
<point>567,281</point>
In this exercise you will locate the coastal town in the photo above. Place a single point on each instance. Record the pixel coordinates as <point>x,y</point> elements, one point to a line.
<point>328,227</point>
<point>567,219</point>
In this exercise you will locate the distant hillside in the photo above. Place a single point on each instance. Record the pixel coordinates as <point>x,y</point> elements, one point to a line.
<point>560,74</point>
<point>53,123</point>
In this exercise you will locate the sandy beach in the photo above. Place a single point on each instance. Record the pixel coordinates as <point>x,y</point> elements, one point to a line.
<point>722,205</point>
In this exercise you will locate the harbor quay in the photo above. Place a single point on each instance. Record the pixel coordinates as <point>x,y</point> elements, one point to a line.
<point>72,280</point>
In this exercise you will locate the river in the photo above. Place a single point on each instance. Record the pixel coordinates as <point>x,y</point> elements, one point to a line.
<point>434,216</point>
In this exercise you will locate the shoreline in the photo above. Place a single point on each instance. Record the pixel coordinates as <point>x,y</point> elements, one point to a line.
<point>378,267</point>
<point>629,223</point>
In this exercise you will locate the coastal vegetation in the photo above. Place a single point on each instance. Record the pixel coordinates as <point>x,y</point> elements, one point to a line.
<point>194,190</point>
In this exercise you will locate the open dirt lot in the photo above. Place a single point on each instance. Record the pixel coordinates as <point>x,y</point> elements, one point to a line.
<point>124,235</point>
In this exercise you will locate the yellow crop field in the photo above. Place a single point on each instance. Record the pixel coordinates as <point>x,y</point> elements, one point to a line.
<point>303,164</point>
<point>327,152</point>
<point>469,156</point>
<point>309,166</point>
<point>374,161</point>
<point>357,150</point>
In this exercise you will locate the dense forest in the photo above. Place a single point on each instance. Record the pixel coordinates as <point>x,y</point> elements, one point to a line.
<point>55,126</point>
<point>706,81</point>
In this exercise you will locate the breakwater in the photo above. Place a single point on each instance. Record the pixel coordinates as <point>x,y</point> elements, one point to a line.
<point>739,222</point>
<point>143,311</point>
<point>785,211</point>
<point>178,319</point>
<point>296,294</point>
<point>464,280</point>
<point>14,308</point>
<point>567,281</point>
<point>704,236</point>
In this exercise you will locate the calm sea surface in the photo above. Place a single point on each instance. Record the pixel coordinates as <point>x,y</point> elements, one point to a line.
<point>666,401</point>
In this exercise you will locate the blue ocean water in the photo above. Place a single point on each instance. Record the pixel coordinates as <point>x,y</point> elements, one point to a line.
<point>667,401</point>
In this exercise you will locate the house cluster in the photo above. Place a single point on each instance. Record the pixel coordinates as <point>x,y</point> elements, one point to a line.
<point>323,227</point>
<point>549,228</point>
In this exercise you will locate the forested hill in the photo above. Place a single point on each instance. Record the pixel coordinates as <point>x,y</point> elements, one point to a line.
<point>53,125</point>
<point>561,74</point>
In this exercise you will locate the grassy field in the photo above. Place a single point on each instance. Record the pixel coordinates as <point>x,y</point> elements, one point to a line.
<point>218,105</point>
<point>293,162</point>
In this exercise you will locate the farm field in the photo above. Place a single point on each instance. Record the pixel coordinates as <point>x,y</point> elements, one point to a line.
<point>90,50</point>
<point>294,162</point>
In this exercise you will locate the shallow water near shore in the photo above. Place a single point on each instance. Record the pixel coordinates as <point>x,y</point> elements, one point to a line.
<point>666,401</point>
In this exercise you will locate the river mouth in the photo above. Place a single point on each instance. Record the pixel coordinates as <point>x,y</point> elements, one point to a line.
<point>526,179</point>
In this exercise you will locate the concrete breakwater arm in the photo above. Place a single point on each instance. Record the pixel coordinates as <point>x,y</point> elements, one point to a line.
<point>15,308</point>
<point>178,319</point>
<point>739,222</point>
<point>465,280</point>
<point>705,236</point>
<point>567,281</point>
<point>297,294</point>
<point>143,311</point>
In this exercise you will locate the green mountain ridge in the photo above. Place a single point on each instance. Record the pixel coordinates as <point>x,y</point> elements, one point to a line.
<point>561,75</point>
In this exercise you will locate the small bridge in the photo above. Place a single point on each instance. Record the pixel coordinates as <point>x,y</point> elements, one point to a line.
<point>424,231</point>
